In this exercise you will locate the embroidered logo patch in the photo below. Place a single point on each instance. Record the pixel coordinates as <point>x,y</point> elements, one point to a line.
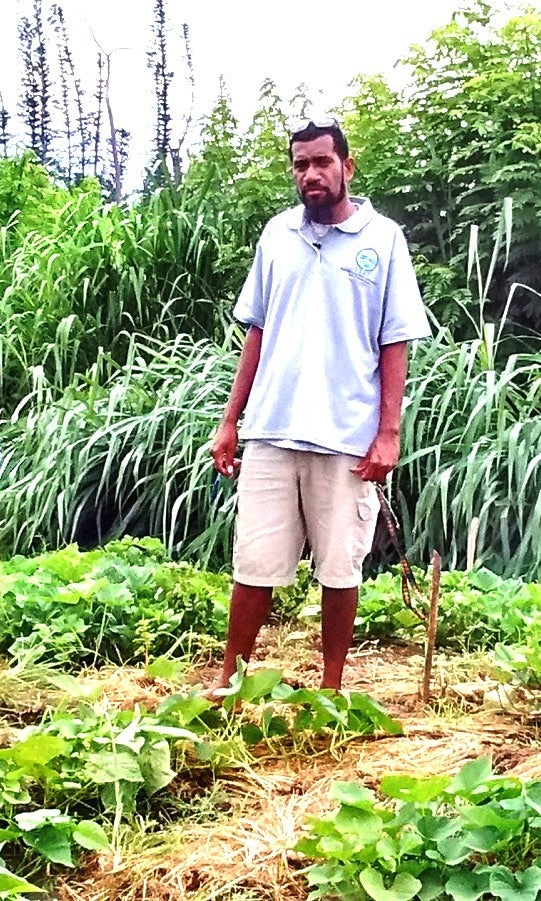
<point>367,259</point>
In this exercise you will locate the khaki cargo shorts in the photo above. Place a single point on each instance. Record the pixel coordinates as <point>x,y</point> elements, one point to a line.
<point>287,498</point>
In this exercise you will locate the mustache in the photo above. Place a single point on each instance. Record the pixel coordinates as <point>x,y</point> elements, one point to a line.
<point>327,199</point>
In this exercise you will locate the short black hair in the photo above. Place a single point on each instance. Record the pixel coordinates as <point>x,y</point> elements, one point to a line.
<point>311,131</point>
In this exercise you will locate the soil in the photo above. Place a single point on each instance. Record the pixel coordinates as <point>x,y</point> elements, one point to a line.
<point>258,810</point>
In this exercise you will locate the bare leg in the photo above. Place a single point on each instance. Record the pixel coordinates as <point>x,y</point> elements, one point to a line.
<point>249,609</point>
<point>338,609</point>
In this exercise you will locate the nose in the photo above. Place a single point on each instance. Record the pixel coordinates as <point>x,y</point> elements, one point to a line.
<point>311,175</point>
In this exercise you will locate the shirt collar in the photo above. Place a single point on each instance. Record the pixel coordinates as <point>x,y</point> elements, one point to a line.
<point>362,215</point>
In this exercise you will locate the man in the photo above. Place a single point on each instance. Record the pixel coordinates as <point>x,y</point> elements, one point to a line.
<point>330,303</point>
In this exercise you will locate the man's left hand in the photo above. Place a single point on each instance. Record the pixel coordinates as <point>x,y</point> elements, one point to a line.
<point>381,458</point>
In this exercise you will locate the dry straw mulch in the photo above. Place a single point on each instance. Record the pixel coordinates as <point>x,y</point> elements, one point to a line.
<point>246,853</point>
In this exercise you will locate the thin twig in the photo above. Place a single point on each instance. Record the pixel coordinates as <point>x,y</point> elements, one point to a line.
<point>432,624</point>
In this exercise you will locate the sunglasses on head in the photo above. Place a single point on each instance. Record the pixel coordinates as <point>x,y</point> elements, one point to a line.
<point>298,125</point>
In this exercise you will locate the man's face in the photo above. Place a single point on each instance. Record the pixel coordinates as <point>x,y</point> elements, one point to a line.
<point>321,177</point>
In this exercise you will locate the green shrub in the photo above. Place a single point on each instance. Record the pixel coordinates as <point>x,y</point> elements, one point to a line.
<point>477,609</point>
<point>122,603</point>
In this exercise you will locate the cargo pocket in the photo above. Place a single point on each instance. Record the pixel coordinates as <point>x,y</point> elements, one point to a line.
<point>368,509</point>
<point>368,505</point>
<point>366,512</point>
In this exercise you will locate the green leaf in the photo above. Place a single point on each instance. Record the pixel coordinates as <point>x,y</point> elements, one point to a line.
<point>276,726</point>
<point>453,850</point>
<point>354,821</point>
<point>329,873</point>
<point>334,846</point>
<point>483,815</point>
<point>282,692</point>
<point>504,884</point>
<point>123,794</point>
<point>155,766</point>
<point>91,836</point>
<point>52,842</point>
<point>130,736</point>
<point>170,731</point>
<point>188,708</point>
<point>304,720</point>
<point>416,790</point>
<point>387,850</point>
<point>165,668</point>
<point>484,839</point>
<point>467,885</point>
<point>73,688</point>
<point>7,835</point>
<point>353,794</point>
<point>471,776</point>
<point>435,828</point>
<point>532,796</point>
<point>39,749</point>
<point>259,685</point>
<point>373,712</point>
<point>11,886</point>
<point>514,886</point>
<point>432,885</point>
<point>403,888</point>
<point>485,580</point>
<point>307,846</point>
<point>206,750</point>
<point>410,843</point>
<point>107,766</point>
<point>251,734</point>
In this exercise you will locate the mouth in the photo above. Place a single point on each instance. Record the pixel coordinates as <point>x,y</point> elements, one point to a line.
<point>314,192</point>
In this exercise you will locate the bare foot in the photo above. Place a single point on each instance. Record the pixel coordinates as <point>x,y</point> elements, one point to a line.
<point>217,694</point>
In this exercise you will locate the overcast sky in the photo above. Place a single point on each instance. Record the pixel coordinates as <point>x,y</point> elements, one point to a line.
<point>320,44</point>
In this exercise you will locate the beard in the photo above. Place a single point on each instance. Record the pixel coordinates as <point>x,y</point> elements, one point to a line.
<point>325,201</point>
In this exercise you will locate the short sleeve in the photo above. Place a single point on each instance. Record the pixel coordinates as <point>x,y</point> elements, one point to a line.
<point>404,316</point>
<point>251,307</point>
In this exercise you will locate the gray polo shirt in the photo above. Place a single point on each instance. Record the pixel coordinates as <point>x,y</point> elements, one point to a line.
<point>325,307</point>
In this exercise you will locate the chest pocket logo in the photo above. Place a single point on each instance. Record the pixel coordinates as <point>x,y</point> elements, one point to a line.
<point>367,260</point>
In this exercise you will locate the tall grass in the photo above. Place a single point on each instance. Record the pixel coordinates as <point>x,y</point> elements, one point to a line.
<point>100,273</point>
<point>472,440</point>
<point>127,456</point>
<point>472,451</point>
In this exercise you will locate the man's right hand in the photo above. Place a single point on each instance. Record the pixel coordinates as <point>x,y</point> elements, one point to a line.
<point>223,449</point>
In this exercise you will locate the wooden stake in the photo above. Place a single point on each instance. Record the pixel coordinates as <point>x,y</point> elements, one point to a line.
<point>432,625</point>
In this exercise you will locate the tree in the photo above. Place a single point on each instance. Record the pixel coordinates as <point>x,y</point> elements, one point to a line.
<point>443,153</point>
<point>98,115</point>
<point>4,119</point>
<point>63,54</point>
<point>36,83</point>
<point>29,100</point>
<point>117,137</point>
<point>157,60</point>
<point>122,138</point>
<point>166,152</point>
<point>72,94</point>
